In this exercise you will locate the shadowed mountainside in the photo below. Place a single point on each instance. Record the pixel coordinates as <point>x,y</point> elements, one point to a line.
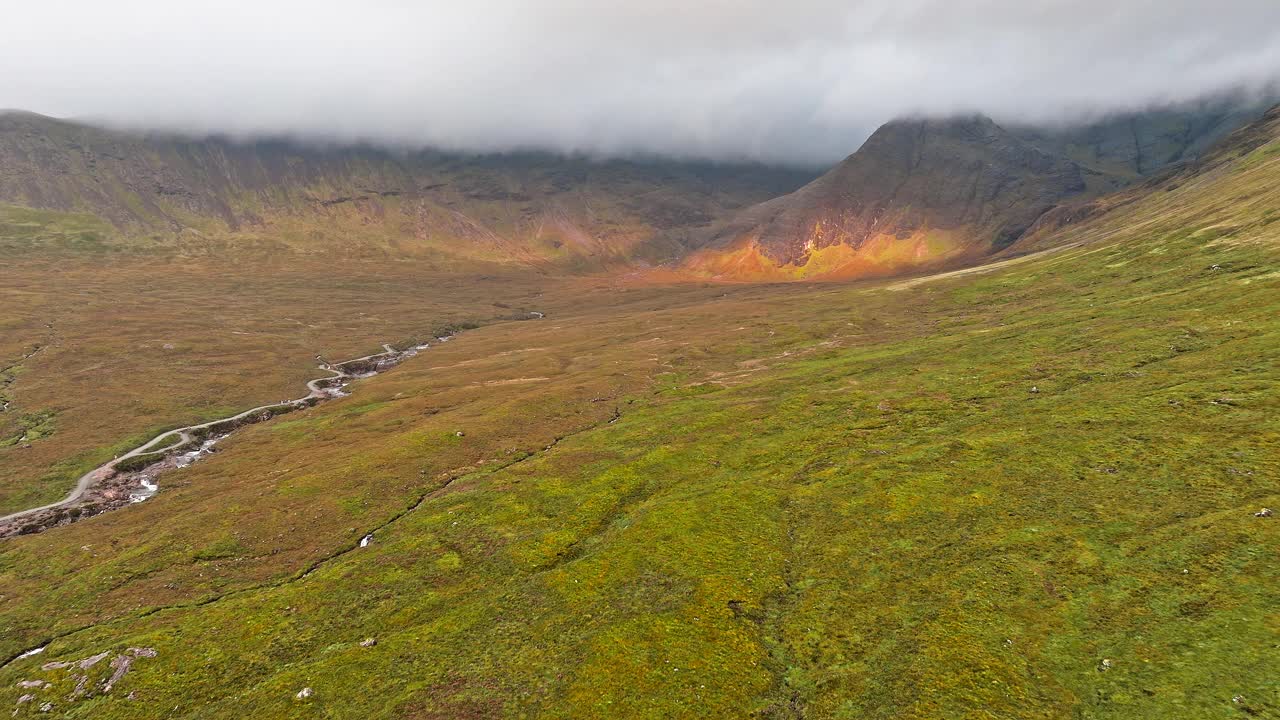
<point>1138,144</point>
<point>918,192</point>
<point>99,187</point>
<point>932,193</point>
<point>1247,146</point>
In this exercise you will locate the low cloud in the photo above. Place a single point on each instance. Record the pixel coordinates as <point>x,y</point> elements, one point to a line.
<point>800,82</point>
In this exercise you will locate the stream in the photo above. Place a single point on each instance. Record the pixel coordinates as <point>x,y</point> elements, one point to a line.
<point>132,477</point>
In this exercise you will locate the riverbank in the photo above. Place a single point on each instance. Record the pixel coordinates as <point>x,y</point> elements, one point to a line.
<point>134,476</point>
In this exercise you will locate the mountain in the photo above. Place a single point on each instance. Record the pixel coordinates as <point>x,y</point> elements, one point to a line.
<point>154,192</point>
<point>1133,145</point>
<point>1247,146</point>
<point>918,192</point>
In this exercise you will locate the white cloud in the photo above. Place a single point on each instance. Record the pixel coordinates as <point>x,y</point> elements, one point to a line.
<point>802,81</point>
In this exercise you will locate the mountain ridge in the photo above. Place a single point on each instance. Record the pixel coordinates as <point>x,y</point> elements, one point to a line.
<point>919,191</point>
<point>927,193</point>
<point>531,208</point>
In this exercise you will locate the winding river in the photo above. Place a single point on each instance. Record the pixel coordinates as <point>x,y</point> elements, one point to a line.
<point>169,442</point>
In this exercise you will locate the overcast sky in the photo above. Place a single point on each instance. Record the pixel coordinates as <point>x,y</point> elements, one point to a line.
<point>793,80</point>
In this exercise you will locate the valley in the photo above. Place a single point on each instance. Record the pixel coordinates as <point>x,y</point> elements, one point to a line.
<point>1017,475</point>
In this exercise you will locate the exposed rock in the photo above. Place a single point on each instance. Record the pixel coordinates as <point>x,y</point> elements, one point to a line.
<point>82,684</point>
<point>305,693</point>
<point>123,662</point>
<point>85,681</point>
<point>89,662</point>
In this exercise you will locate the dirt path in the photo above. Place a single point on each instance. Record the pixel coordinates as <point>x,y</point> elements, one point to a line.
<point>989,267</point>
<point>317,390</point>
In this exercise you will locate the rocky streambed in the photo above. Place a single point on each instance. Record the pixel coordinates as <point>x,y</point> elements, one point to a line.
<point>135,476</point>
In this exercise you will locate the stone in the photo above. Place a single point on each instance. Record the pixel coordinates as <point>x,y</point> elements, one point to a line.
<point>368,642</point>
<point>305,693</point>
<point>89,662</point>
<point>1263,513</point>
<point>1104,666</point>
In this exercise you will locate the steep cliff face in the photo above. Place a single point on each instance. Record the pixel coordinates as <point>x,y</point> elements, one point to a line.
<point>918,192</point>
<point>530,208</point>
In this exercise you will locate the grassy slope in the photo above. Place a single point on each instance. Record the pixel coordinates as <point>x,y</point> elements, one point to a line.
<point>127,346</point>
<point>840,501</point>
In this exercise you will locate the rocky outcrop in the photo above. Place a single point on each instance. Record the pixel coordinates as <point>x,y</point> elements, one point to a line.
<point>62,684</point>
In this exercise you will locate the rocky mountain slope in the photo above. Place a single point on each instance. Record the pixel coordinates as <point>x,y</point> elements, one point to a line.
<point>918,192</point>
<point>200,194</point>
<point>929,193</point>
<point>1250,145</point>
<point>1138,144</point>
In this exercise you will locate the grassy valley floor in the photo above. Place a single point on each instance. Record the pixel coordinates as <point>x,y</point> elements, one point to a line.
<point>1030,492</point>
